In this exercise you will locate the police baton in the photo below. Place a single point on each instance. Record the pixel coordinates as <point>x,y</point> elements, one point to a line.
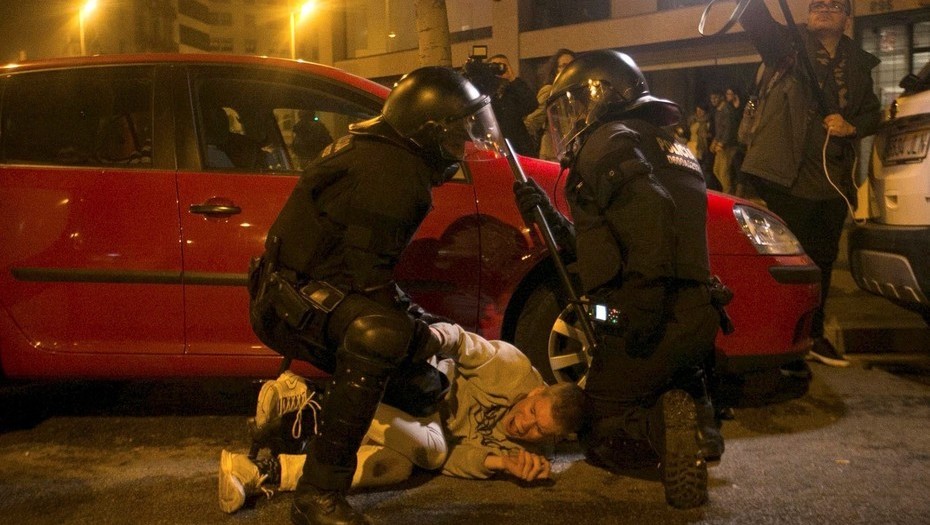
<point>553,248</point>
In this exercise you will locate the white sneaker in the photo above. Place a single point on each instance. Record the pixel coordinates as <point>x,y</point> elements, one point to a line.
<point>824,352</point>
<point>239,478</point>
<point>288,393</point>
<point>277,397</point>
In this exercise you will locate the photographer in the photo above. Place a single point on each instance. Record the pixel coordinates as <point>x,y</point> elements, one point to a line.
<point>511,98</point>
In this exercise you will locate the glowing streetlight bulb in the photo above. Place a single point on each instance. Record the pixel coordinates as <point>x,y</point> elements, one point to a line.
<point>88,7</point>
<point>306,9</point>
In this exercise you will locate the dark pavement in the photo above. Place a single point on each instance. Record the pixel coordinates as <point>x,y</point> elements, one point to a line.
<point>853,449</point>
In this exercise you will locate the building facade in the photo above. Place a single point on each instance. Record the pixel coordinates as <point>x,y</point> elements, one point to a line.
<point>377,39</point>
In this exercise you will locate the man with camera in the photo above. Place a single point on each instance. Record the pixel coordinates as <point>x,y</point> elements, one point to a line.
<point>512,100</point>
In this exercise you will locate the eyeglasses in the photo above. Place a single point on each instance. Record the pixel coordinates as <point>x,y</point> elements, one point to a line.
<point>828,7</point>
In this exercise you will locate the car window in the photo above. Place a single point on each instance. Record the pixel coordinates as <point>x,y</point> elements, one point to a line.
<point>79,117</point>
<point>270,124</point>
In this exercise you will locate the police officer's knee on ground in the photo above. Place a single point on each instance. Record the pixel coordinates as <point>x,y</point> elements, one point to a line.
<point>639,202</point>
<point>323,291</point>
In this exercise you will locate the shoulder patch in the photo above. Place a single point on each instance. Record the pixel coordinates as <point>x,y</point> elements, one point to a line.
<point>678,154</point>
<point>340,145</point>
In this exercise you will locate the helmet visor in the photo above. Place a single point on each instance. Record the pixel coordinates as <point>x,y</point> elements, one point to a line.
<point>572,110</point>
<point>480,128</point>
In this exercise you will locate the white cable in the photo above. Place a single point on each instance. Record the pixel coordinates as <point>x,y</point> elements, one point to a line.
<point>826,171</point>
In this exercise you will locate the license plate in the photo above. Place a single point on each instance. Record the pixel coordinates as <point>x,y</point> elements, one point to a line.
<point>910,146</point>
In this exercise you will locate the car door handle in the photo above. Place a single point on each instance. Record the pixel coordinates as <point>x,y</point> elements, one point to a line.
<point>211,208</point>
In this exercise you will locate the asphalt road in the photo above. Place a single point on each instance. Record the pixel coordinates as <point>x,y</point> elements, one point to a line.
<point>853,449</point>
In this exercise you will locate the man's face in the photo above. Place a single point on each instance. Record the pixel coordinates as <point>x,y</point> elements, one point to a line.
<point>530,419</point>
<point>828,15</point>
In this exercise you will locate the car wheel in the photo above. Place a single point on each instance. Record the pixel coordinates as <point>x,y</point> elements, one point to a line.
<point>547,333</point>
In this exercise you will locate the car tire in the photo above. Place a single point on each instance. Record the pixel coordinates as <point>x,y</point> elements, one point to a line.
<point>547,334</point>
<point>534,325</point>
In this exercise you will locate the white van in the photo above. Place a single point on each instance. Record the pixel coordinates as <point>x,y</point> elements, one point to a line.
<point>889,255</point>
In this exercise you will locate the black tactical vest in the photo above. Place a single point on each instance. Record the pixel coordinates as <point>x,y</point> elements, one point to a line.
<point>654,225</point>
<point>353,212</point>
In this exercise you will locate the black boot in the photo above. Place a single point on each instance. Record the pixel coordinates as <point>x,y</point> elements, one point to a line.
<point>314,506</point>
<point>357,386</point>
<point>710,438</point>
<point>673,432</point>
<point>611,443</point>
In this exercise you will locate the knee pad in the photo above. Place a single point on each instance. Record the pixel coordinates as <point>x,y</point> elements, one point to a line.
<point>385,337</point>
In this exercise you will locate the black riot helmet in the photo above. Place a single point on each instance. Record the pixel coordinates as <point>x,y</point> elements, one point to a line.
<point>597,87</point>
<point>440,111</point>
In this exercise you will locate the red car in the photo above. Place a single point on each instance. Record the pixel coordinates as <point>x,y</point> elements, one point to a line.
<point>135,189</point>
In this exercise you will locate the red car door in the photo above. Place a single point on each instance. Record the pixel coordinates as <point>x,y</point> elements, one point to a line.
<point>238,175</point>
<point>90,235</point>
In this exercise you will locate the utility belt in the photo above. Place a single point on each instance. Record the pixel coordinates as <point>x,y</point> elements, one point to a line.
<point>303,305</point>
<point>606,312</point>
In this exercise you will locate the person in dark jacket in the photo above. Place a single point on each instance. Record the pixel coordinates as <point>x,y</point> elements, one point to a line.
<point>639,202</point>
<point>324,292</point>
<point>512,101</point>
<point>802,157</point>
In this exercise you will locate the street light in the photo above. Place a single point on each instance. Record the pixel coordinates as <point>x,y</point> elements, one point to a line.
<point>297,15</point>
<point>82,14</point>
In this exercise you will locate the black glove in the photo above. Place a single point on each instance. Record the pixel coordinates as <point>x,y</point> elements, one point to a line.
<point>416,311</point>
<point>429,318</point>
<point>529,195</point>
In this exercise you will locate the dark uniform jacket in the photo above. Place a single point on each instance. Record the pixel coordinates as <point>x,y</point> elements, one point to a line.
<point>353,212</point>
<point>639,202</point>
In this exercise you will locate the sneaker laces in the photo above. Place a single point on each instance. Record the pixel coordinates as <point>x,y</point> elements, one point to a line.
<point>291,403</point>
<point>314,406</point>
<point>267,491</point>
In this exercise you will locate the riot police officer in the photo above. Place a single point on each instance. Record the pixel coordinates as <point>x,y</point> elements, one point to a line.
<point>639,202</point>
<point>323,290</point>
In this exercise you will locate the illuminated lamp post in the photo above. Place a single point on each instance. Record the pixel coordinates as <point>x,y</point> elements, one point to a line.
<point>82,14</point>
<point>297,16</point>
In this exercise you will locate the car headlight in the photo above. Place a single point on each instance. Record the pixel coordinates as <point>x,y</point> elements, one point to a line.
<point>766,232</point>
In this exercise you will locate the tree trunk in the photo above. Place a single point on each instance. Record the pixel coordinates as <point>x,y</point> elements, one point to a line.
<point>433,32</point>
